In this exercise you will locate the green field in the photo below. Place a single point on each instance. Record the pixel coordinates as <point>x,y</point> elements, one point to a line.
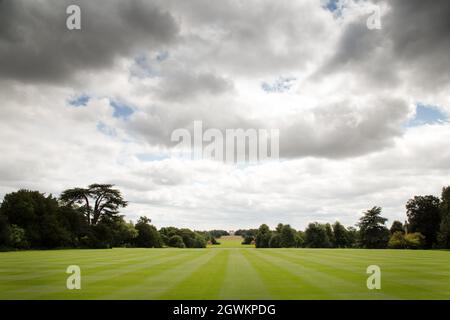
<point>227,271</point>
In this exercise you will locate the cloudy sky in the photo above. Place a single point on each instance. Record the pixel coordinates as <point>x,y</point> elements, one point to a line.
<point>363,114</point>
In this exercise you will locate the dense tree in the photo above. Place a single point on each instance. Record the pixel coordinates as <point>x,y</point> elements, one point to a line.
<point>37,215</point>
<point>341,238</point>
<point>5,232</point>
<point>176,241</point>
<point>424,217</point>
<point>248,239</point>
<point>245,232</point>
<point>18,238</point>
<point>300,239</point>
<point>96,201</point>
<point>287,237</point>
<point>444,228</point>
<point>372,231</point>
<point>263,237</point>
<point>275,240</point>
<point>218,233</point>
<point>352,236</point>
<point>148,236</point>
<point>316,236</point>
<point>191,239</point>
<point>397,226</point>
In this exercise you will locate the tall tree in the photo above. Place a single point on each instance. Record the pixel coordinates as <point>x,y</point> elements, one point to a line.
<point>373,233</point>
<point>287,237</point>
<point>96,201</point>
<point>424,217</point>
<point>444,229</point>
<point>340,235</point>
<point>316,236</point>
<point>148,236</point>
<point>263,236</point>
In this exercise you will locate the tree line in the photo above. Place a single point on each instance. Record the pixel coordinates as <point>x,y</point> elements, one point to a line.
<point>89,218</point>
<point>427,226</point>
<point>84,218</point>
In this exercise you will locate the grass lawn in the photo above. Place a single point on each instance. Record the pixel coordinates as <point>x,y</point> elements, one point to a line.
<point>227,271</point>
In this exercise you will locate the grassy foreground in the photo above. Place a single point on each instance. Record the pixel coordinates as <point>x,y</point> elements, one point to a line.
<point>228,271</point>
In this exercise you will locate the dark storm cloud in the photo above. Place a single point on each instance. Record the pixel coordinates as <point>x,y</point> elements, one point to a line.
<point>420,33</point>
<point>414,37</point>
<point>35,44</point>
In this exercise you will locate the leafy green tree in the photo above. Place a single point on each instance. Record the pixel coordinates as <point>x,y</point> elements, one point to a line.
<point>176,241</point>
<point>372,231</point>
<point>263,237</point>
<point>316,236</point>
<point>148,236</point>
<point>18,238</point>
<point>275,240</point>
<point>124,233</point>
<point>397,226</point>
<point>74,222</point>
<point>218,233</point>
<point>300,239</point>
<point>352,236</point>
<point>341,238</point>
<point>96,201</point>
<point>287,237</point>
<point>37,215</point>
<point>424,217</point>
<point>248,239</point>
<point>5,232</point>
<point>199,241</point>
<point>444,228</point>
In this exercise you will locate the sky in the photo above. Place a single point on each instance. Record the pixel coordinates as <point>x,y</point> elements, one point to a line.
<point>363,114</point>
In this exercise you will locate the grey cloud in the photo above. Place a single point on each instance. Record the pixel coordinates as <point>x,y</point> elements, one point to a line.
<point>413,39</point>
<point>184,85</point>
<point>35,44</point>
<point>344,129</point>
<point>420,33</point>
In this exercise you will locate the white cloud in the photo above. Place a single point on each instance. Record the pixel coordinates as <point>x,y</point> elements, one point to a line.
<point>344,145</point>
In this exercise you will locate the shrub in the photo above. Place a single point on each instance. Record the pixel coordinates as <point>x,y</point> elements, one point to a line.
<point>397,241</point>
<point>414,240</point>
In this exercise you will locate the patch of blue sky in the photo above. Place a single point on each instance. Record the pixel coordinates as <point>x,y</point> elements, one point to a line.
<point>162,56</point>
<point>105,129</point>
<point>142,67</point>
<point>145,67</point>
<point>121,110</point>
<point>335,6</point>
<point>80,100</point>
<point>427,114</point>
<point>148,157</point>
<point>282,84</point>
<point>331,5</point>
